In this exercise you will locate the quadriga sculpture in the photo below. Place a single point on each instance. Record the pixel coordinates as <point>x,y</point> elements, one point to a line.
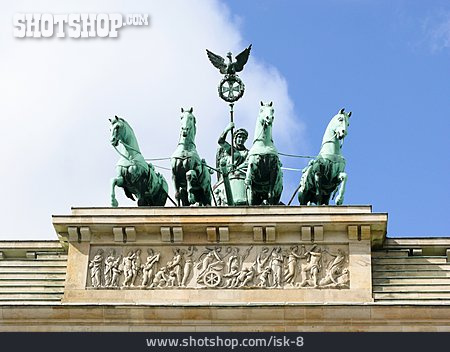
<point>321,178</point>
<point>264,178</point>
<point>191,177</point>
<point>134,174</point>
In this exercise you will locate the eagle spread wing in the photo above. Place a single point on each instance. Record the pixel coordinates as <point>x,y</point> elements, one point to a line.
<point>242,58</point>
<point>218,61</point>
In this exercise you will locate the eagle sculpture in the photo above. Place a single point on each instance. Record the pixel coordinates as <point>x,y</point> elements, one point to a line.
<point>231,67</point>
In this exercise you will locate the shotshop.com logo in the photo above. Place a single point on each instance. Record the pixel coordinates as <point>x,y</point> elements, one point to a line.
<point>78,25</point>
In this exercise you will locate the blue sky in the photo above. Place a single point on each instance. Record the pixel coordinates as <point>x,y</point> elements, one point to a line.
<point>388,62</point>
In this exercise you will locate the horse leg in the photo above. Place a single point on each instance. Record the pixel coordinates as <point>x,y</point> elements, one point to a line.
<point>303,185</point>
<point>114,202</point>
<point>317,185</point>
<point>174,166</point>
<point>278,188</point>
<point>275,181</point>
<point>142,202</point>
<point>191,177</point>
<point>205,183</point>
<point>150,188</point>
<point>301,196</point>
<point>272,178</point>
<point>248,180</point>
<point>163,191</point>
<point>343,178</point>
<point>117,181</point>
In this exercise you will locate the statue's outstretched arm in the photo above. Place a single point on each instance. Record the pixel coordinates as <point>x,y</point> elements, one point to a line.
<point>222,139</point>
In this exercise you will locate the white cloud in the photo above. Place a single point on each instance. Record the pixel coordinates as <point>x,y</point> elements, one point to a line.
<point>57,95</point>
<point>437,31</point>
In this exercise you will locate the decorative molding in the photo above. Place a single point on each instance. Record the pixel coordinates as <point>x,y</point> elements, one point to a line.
<point>270,234</point>
<point>79,234</point>
<point>224,235</point>
<point>417,252</point>
<point>165,234</point>
<point>177,234</point>
<point>131,234</point>
<point>318,233</point>
<point>118,234</point>
<point>211,234</point>
<point>30,255</point>
<point>258,234</point>
<point>365,232</point>
<point>353,232</point>
<point>73,234</point>
<point>306,233</point>
<point>85,234</point>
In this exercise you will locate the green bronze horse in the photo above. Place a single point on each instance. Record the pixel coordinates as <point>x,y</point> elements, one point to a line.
<point>134,174</point>
<point>264,178</point>
<point>191,177</point>
<point>321,178</point>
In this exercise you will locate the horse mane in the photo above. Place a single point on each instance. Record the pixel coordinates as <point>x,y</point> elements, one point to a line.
<point>126,124</point>
<point>129,132</point>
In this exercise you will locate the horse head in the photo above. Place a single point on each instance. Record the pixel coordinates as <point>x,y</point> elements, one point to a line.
<point>117,130</point>
<point>340,123</point>
<point>188,127</point>
<point>266,114</point>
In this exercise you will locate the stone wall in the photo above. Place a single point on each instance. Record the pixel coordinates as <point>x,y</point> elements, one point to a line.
<point>270,269</point>
<point>220,255</point>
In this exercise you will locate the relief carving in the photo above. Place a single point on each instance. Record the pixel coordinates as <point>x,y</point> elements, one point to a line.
<point>210,267</point>
<point>220,267</point>
<point>128,267</point>
<point>95,266</point>
<point>188,265</point>
<point>109,262</point>
<point>336,275</point>
<point>276,266</point>
<point>149,268</point>
<point>313,267</point>
<point>292,265</point>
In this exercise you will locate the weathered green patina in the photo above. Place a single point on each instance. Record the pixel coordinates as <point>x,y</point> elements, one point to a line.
<point>240,136</point>
<point>264,178</point>
<point>230,188</point>
<point>321,178</point>
<point>134,174</point>
<point>231,67</point>
<point>244,177</point>
<point>231,88</point>
<point>191,177</point>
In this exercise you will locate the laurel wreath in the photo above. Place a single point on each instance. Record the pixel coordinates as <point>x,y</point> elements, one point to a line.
<point>231,88</point>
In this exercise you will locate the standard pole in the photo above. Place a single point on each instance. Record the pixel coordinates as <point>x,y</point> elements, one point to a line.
<point>226,183</point>
<point>232,137</point>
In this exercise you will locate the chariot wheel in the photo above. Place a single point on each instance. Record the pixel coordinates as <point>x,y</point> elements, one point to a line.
<point>212,279</point>
<point>231,88</point>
